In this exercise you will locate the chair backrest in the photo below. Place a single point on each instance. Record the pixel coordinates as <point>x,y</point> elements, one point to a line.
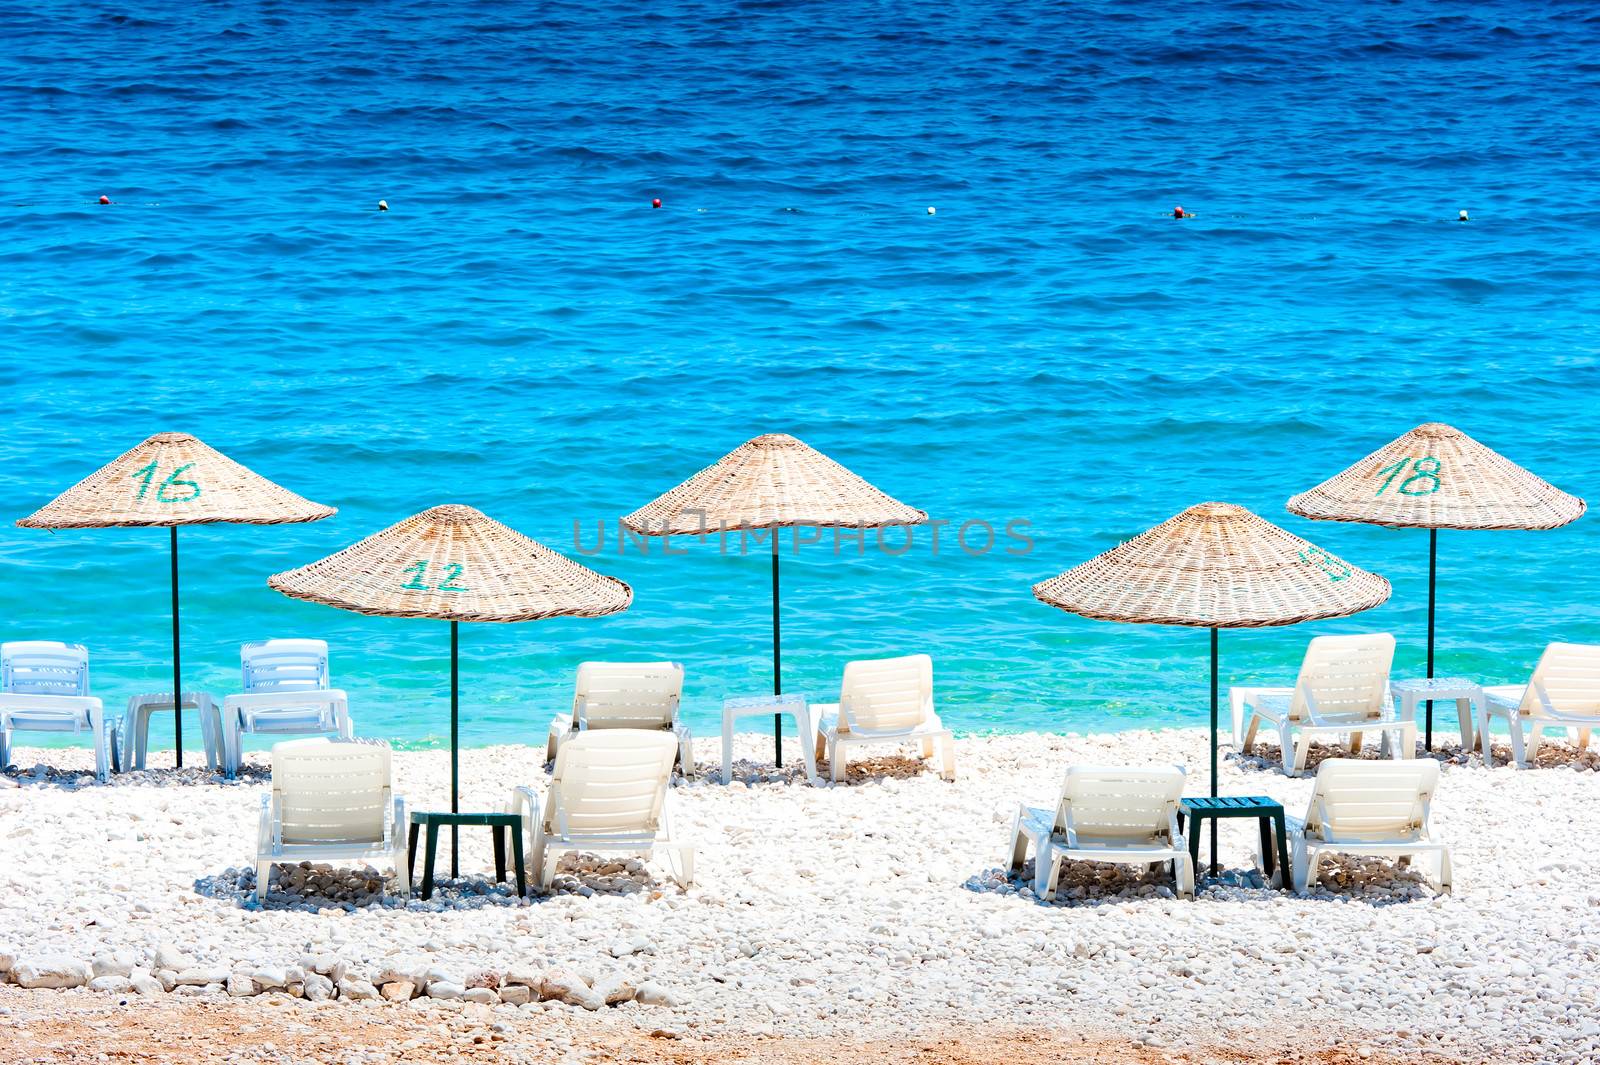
<point>1120,803</point>
<point>284,665</point>
<point>331,791</point>
<point>44,667</point>
<point>611,782</point>
<point>886,694</point>
<point>627,694</point>
<point>1344,677</point>
<point>1361,799</point>
<point>1567,679</point>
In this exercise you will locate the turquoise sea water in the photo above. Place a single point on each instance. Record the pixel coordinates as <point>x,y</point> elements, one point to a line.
<point>522,332</point>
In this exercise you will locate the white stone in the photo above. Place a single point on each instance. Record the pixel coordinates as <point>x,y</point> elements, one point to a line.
<point>442,989</point>
<point>318,988</point>
<point>357,990</point>
<point>120,963</point>
<point>49,970</point>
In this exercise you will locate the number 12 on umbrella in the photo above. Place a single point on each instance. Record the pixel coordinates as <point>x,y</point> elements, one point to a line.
<point>419,578</point>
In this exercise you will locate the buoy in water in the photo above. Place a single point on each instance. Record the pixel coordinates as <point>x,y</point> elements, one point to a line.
<point>655,202</point>
<point>933,210</point>
<point>1462,217</point>
<point>105,199</point>
<point>1178,212</point>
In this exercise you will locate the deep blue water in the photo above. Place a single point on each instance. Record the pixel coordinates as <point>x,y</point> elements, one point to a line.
<point>524,333</point>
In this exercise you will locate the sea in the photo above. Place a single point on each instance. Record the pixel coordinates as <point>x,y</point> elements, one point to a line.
<point>935,242</point>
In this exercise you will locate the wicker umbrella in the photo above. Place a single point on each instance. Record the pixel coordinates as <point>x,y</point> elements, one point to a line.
<point>1214,566</point>
<point>455,564</point>
<point>1437,477</point>
<point>771,482</point>
<point>173,479</point>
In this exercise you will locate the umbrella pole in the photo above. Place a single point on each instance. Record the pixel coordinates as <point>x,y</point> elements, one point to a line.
<point>455,769</point>
<point>177,666</point>
<point>1433,571</point>
<point>777,659</point>
<point>1214,747</point>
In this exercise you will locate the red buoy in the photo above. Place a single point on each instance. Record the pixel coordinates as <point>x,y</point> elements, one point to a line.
<point>1177,212</point>
<point>105,199</point>
<point>655,202</point>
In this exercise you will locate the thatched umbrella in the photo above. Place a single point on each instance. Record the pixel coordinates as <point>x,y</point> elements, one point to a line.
<point>1214,566</point>
<point>1437,477</point>
<point>455,564</point>
<point>772,482</point>
<point>173,479</point>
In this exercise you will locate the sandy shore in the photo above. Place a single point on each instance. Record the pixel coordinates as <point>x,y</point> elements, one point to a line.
<point>874,910</point>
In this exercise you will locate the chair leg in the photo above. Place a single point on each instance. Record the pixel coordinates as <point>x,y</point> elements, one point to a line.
<point>1304,861</point>
<point>1046,871</point>
<point>1535,733</point>
<point>1583,739</point>
<point>835,769</point>
<point>1355,744</point>
<point>1519,750</point>
<point>1250,730</point>
<point>1019,843</point>
<point>1444,870</point>
<point>5,746</point>
<point>947,743</point>
<point>263,873</point>
<point>927,747</point>
<point>1184,870</point>
<point>1302,750</point>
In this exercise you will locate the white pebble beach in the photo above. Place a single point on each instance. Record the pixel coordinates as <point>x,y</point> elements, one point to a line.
<point>864,909</point>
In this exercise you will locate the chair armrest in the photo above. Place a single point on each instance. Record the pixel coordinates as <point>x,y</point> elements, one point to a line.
<point>268,700</point>
<point>72,703</point>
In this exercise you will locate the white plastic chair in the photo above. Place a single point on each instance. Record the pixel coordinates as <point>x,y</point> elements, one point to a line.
<point>286,692</point>
<point>1563,693</point>
<point>1342,691</point>
<point>638,695</point>
<point>1373,808</point>
<point>608,792</point>
<point>44,687</point>
<point>884,700</point>
<point>331,801</point>
<point>1105,814</point>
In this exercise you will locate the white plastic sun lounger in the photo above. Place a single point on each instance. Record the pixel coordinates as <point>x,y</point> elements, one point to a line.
<point>331,801</point>
<point>1365,807</point>
<point>286,692</point>
<point>44,687</point>
<point>608,792</point>
<point>884,700</point>
<point>1342,691</point>
<point>636,695</point>
<point>1563,693</point>
<point>1105,814</point>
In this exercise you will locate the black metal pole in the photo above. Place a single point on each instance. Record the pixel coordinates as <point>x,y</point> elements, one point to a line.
<point>777,659</point>
<point>1213,747</point>
<point>177,665</point>
<point>1433,571</point>
<point>455,768</point>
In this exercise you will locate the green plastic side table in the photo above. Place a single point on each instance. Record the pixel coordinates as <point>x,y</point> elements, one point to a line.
<point>1267,812</point>
<point>497,823</point>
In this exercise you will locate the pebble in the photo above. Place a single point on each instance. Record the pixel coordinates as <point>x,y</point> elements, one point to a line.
<point>883,899</point>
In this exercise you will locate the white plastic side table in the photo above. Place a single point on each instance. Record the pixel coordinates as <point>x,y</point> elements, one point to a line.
<point>793,704</point>
<point>136,725</point>
<point>1463,690</point>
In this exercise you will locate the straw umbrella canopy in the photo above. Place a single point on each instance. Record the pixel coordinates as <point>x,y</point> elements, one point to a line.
<point>772,482</point>
<point>1437,477</point>
<point>453,563</point>
<point>1214,566</point>
<point>173,479</point>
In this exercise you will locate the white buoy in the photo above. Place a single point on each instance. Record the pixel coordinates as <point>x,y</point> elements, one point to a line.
<point>383,205</point>
<point>933,210</point>
<point>1462,217</point>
